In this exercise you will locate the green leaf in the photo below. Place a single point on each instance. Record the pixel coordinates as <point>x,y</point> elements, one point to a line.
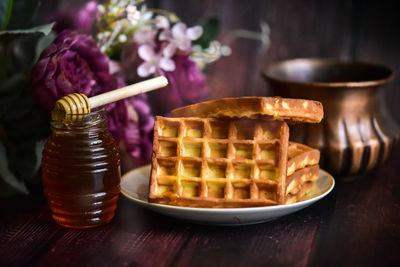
<point>21,123</point>
<point>24,130</point>
<point>5,12</point>
<point>26,122</point>
<point>22,13</point>
<point>42,43</point>
<point>9,182</point>
<point>10,91</point>
<point>45,29</point>
<point>20,52</point>
<point>211,27</point>
<point>25,159</point>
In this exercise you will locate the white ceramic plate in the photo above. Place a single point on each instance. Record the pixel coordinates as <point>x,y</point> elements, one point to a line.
<point>135,186</point>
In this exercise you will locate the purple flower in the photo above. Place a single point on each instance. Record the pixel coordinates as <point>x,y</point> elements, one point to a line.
<point>74,18</point>
<point>86,16</point>
<point>131,124</point>
<point>73,63</point>
<point>180,36</point>
<point>187,85</point>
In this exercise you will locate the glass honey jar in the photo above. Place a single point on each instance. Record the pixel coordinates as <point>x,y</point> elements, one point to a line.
<point>81,171</point>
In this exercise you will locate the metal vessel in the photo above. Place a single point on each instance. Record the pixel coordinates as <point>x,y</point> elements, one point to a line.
<point>357,133</point>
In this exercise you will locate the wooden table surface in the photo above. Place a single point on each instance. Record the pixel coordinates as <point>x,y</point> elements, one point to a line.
<point>358,224</point>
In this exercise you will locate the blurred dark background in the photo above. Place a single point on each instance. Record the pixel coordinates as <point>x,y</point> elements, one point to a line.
<point>353,30</point>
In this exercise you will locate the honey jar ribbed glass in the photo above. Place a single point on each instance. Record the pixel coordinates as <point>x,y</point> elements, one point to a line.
<point>81,171</point>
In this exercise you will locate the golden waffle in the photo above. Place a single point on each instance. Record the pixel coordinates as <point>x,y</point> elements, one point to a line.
<point>290,110</point>
<point>300,156</point>
<point>302,171</point>
<point>300,183</point>
<point>205,162</point>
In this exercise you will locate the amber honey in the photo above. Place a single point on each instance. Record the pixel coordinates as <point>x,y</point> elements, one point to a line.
<point>81,171</point>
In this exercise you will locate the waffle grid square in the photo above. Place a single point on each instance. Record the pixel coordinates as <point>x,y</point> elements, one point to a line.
<point>220,163</point>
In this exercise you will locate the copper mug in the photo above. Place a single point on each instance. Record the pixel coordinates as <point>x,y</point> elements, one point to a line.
<point>357,133</point>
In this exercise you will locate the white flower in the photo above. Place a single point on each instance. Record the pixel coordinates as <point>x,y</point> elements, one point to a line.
<point>169,50</point>
<point>145,35</point>
<point>161,22</point>
<point>122,38</point>
<point>101,9</point>
<point>153,61</point>
<point>133,15</point>
<point>180,37</point>
<point>138,18</point>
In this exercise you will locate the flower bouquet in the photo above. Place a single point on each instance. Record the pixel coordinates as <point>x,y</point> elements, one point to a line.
<point>92,50</point>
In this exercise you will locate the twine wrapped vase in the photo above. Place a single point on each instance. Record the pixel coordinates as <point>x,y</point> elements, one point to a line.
<point>357,133</point>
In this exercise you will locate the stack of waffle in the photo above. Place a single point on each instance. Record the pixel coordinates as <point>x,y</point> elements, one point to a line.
<point>233,153</point>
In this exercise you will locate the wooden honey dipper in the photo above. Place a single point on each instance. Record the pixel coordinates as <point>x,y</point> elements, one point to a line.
<point>75,104</point>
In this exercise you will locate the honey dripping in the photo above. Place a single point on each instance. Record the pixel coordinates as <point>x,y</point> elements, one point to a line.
<point>81,171</point>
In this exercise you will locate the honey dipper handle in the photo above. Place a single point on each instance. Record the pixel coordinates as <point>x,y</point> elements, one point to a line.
<point>127,91</point>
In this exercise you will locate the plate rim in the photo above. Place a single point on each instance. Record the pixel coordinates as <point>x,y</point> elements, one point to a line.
<point>227,210</point>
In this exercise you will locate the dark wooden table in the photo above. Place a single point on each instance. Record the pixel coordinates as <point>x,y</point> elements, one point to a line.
<point>358,224</point>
